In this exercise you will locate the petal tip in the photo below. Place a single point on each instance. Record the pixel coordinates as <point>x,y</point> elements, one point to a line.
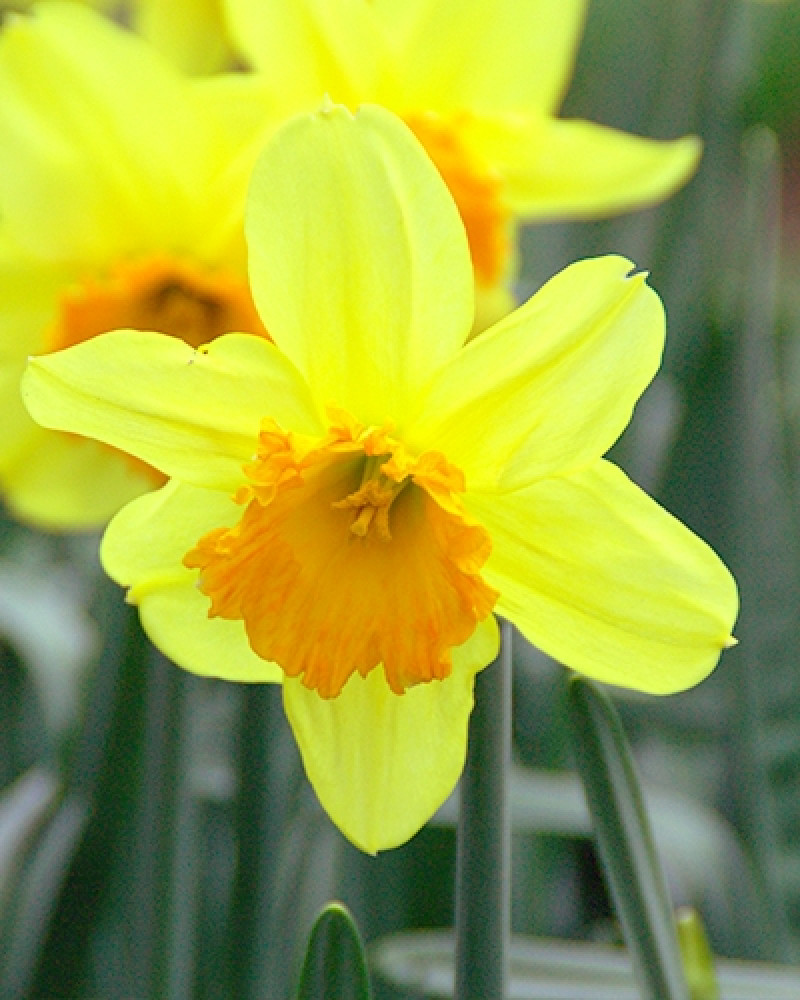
<point>329,108</point>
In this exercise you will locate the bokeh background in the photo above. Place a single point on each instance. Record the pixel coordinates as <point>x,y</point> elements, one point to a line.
<point>157,835</point>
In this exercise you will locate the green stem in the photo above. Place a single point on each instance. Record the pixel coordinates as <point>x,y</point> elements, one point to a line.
<point>484,839</point>
<point>257,960</point>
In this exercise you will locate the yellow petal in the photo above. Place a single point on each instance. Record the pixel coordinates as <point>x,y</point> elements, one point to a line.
<point>552,385</point>
<point>142,550</point>
<point>309,49</point>
<point>63,483</point>
<point>28,295</point>
<point>575,169</point>
<point>105,149</point>
<point>64,118</point>
<point>193,414</point>
<point>381,763</point>
<point>600,577</point>
<point>358,259</point>
<point>486,54</point>
<point>191,32</point>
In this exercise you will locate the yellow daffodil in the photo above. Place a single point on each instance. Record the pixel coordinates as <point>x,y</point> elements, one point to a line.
<point>349,504</point>
<point>122,190</point>
<point>480,83</point>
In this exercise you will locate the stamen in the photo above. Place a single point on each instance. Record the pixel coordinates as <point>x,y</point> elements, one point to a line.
<point>372,500</point>
<point>361,524</point>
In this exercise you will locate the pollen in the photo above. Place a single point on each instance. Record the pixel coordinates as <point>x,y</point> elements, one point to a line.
<point>476,189</point>
<point>350,555</point>
<point>162,294</point>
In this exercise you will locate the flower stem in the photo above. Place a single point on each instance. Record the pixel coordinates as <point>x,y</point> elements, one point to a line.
<point>255,948</point>
<point>484,839</point>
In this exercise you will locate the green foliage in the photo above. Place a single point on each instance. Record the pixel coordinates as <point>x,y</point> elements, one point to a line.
<point>335,966</point>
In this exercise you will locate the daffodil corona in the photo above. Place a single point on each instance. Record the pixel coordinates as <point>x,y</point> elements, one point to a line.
<point>122,190</point>
<point>479,82</point>
<point>348,506</point>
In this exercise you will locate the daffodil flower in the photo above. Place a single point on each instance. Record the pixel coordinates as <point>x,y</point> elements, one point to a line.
<point>122,191</point>
<point>350,504</point>
<point>480,83</point>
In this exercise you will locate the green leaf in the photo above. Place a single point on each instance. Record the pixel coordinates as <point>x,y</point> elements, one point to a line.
<point>335,966</point>
<point>625,842</point>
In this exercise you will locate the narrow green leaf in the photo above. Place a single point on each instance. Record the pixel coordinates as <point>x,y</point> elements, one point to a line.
<point>335,966</point>
<point>625,842</point>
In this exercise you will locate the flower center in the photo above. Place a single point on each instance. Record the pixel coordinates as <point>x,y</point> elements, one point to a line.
<point>476,189</point>
<point>158,294</point>
<point>372,501</point>
<point>161,294</point>
<point>349,554</point>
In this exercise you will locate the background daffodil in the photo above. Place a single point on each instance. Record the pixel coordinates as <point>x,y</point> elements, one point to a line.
<point>480,83</point>
<point>350,502</point>
<point>122,188</point>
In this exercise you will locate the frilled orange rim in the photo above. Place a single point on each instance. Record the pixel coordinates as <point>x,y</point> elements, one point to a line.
<point>350,553</point>
<point>477,189</point>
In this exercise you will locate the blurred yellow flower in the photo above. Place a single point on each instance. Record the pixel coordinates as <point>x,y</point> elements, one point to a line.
<point>480,83</point>
<point>122,190</point>
<point>349,503</point>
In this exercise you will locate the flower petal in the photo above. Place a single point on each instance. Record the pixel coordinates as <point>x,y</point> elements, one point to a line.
<point>91,164</point>
<point>553,385</point>
<point>190,32</point>
<point>381,763</point>
<point>484,54</point>
<point>143,548</point>
<point>358,258</point>
<point>556,169</point>
<point>28,294</point>
<point>193,414</point>
<point>596,574</point>
<point>309,49</point>
<point>64,483</point>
